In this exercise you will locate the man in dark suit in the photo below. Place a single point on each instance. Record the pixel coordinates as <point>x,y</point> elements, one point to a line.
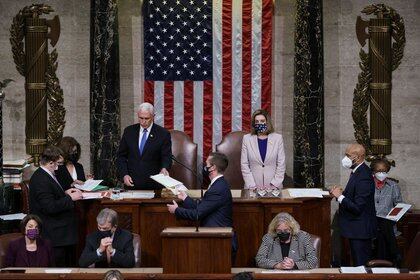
<point>55,207</point>
<point>357,216</point>
<point>145,150</point>
<point>215,209</point>
<point>109,246</point>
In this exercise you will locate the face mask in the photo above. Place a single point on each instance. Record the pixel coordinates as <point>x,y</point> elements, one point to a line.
<point>105,233</point>
<point>381,176</point>
<point>73,157</point>
<point>32,233</point>
<point>260,127</point>
<point>283,236</point>
<point>347,162</point>
<point>206,171</point>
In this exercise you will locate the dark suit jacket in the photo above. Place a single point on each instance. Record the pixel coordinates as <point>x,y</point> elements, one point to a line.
<point>214,210</point>
<point>56,209</point>
<point>357,216</point>
<point>156,155</point>
<point>17,256</point>
<point>123,244</point>
<point>64,177</point>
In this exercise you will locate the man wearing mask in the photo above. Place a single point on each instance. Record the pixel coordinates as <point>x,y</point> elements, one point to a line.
<point>357,217</point>
<point>55,207</point>
<point>109,246</point>
<point>145,150</point>
<point>215,209</point>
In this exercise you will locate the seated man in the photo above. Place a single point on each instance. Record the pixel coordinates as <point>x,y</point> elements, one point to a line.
<point>109,246</point>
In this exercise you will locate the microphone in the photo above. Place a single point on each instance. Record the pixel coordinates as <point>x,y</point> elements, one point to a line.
<point>199,181</point>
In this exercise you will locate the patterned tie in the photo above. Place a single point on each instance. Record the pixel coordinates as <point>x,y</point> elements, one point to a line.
<point>143,141</point>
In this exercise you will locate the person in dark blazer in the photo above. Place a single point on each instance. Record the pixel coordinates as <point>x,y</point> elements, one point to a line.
<point>30,250</point>
<point>71,172</point>
<point>109,246</point>
<point>145,150</point>
<point>215,209</point>
<point>55,207</point>
<point>357,216</point>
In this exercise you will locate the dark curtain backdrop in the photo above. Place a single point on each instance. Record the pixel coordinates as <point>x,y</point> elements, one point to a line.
<point>104,89</point>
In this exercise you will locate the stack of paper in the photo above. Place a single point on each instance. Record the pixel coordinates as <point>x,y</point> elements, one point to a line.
<point>398,211</point>
<point>385,270</point>
<point>137,195</point>
<point>10,217</point>
<point>170,183</point>
<point>91,186</point>
<point>306,192</point>
<point>350,269</point>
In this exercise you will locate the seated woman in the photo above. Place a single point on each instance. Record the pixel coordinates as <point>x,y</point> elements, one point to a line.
<point>30,250</point>
<point>285,246</point>
<point>262,155</point>
<point>72,171</point>
<point>387,195</point>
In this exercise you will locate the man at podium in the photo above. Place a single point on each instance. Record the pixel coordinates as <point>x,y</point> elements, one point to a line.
<point>215,208</point>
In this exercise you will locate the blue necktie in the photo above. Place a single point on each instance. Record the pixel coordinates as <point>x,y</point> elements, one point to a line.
<point>143,141</point>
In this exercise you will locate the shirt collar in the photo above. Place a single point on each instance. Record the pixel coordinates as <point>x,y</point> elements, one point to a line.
<point>148,128</point>
<point>49,172</point>
<point>215,178</point>
<point>354,170</point>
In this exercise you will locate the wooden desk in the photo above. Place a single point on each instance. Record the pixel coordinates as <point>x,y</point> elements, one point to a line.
<point>251,218</point>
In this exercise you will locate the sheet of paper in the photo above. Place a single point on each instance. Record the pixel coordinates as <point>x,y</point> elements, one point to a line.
<point>385,270</point>
<point>305,192</point>
<point>170,183</point>
<point>284,271</point>
<point>9,217</point>
<point>58,270</point>
<point>92,195</point>
<point>89,185</point>
<point>137,195</point>
<point>398,211</point>
<point>351,269</point>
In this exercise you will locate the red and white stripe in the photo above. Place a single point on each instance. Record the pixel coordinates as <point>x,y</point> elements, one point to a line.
<point>242,61</point>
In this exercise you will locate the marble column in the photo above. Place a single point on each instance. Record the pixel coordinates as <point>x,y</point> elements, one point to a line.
<point>308,104</point>
<point>104,90</point>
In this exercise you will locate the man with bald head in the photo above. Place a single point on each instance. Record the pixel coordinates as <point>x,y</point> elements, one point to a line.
<point>357,216</point>
<point>145,150</point>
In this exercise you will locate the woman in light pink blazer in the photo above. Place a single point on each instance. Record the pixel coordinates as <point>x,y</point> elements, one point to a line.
<point>262,156</point>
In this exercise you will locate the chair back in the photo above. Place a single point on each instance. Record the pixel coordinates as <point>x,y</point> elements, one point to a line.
<point>185,151</point>
<point>137,249</point>
<point>231,146</point>
<point>412,260</point>
<point>5,239</point>
<point>316,241</point>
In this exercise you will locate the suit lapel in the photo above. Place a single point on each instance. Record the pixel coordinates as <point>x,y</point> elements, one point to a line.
<point>270,146</point>
<point>255,149</point>
<point>51,179</point>
<point>294,249</point>
<point>137,137</point>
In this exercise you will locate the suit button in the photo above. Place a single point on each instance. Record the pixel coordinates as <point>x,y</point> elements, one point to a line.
<point>263,165</point>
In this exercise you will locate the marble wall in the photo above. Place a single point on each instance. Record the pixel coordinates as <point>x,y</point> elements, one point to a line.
<point>341,68</point>
<point>73,71</point>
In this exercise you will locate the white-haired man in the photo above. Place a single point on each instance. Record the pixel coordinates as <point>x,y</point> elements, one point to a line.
<point>145,150</point>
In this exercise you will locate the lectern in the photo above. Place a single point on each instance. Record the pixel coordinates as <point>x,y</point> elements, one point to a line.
<point>184,250</point>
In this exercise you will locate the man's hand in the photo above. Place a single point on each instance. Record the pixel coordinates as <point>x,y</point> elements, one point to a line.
<point>172,207</point>
<point>89,176</point>
<point>164,172</point>
<point>109,249</point>
<point>74,193</point>
<point>105,242</point>
<point>182,195</point>
<point>336,191</point>
<point>128,181</point>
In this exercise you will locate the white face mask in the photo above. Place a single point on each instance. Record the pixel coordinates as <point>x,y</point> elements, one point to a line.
<point>346,162</point>
<point>381,176</point>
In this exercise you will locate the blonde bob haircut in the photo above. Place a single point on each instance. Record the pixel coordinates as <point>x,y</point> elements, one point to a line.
<point>283,218</point>
<point>264,113</point>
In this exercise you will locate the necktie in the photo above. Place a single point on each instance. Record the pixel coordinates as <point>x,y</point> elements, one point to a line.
<point>143,141</point>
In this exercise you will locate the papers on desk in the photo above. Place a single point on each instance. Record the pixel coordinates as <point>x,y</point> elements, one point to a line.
<point>351,269</point>
<point>95,195</point>
<point>306,192</point>
<point>137,195</point>
<point>10,217</point>
<point>170,183</point>
<point>398,211</point>
<point>91,186</point>
<point>384,270</point>
<point>58,270</point>
<point>275,271</point>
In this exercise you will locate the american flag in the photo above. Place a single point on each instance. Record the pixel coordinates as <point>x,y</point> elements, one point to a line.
<point>207,65</point>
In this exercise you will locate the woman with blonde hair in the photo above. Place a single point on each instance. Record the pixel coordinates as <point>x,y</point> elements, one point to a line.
<point>285,246</point>
<point>262,154</point>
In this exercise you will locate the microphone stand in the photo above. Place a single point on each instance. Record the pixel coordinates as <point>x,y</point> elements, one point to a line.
<point>197,221</point>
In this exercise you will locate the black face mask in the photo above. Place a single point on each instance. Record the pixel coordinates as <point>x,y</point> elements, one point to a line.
<point>283,236</point>
<point>105,233</point>
<point>206,171</point>
<point>73,158</point>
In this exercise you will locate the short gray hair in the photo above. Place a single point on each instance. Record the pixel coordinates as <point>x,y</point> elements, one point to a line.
<point>146,107</point>
<point>107,215</point>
